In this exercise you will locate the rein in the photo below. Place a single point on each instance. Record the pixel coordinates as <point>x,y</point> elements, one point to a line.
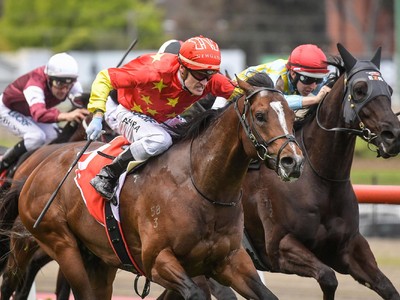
<point>201,193</point>
<point>305,152</point>
<point>363,132</point>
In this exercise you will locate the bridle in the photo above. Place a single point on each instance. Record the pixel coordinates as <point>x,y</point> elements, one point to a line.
<point>352,108</point>
<point>376,87</point>
<point>251,132</point>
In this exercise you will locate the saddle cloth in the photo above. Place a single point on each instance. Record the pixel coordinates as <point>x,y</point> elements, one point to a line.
<point>88,166</point>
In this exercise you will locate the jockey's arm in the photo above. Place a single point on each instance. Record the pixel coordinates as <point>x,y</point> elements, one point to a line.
<point>101,88</point>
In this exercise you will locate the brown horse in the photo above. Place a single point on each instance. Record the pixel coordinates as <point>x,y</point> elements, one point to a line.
<point>27,258</point>
<point>311,227</point>
<point>193,226</point>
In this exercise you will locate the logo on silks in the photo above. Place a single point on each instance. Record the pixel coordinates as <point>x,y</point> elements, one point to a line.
<point>373,75</point>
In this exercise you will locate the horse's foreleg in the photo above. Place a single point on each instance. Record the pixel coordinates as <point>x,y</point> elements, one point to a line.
<point>101,277</point>
<point>238,271</point>
<point>169,273</point>
<point>295,258</point>
<point>221,292</point>
<point>63,289</point>
<point>359,262</point>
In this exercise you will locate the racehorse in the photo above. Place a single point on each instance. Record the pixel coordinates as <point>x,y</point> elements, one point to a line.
<point>311,227</point>
<point>23,244</point>
<point>193,226</point>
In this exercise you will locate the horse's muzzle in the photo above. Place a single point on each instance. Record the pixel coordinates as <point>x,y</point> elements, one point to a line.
<point>288,168</point>
<point>388,143</point>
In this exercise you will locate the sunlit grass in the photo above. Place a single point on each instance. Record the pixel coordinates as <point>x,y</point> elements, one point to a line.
<point>384,177</point>
<point>374,170</point>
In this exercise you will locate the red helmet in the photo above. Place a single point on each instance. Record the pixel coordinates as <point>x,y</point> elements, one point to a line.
<point>200,53</point>
<point>308,60</point>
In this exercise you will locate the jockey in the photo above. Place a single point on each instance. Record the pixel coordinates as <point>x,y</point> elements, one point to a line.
<point>300,77</point>
<point>27,105</point>
<point>153,89</point>
<point>170,46</point>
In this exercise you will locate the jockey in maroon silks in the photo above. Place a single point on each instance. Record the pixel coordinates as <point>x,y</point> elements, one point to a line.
<point>27,105</point>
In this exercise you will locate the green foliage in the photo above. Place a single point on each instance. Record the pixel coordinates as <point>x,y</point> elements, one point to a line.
<point>374,176</point>
<point>80,24</point>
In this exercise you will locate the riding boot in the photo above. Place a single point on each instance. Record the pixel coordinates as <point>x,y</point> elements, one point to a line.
<point>12,155</point>
<point>106,181</point>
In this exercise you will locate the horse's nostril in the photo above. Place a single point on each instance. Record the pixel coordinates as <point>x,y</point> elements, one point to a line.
<point>288,162</point>
<point>388,136</point>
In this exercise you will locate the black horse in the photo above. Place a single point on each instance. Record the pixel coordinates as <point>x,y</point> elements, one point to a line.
<point>311,227</point>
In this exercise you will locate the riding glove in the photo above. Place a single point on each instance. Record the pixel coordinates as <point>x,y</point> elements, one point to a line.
<point>93,131</point>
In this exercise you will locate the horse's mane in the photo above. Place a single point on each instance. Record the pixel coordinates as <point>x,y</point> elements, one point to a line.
<point>196,125</point>
<point>309,113</point>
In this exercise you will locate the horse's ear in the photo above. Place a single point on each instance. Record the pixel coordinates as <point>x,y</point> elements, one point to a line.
<point>376,60</point>
<point>245,86</point>
<point>348,59</point>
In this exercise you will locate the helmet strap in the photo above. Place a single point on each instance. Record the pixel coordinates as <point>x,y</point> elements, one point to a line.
<point>184,75</point>
<point>294,81</point>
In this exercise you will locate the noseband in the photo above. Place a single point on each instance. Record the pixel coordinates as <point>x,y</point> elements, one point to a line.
<point>258,142</point>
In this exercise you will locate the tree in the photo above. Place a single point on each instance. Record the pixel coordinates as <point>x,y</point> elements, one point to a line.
<point>80,24</point>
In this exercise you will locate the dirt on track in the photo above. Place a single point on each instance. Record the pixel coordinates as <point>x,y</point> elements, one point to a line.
<point>286,287</point>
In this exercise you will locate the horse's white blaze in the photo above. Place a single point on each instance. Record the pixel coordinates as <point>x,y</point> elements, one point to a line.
<point>278,108</point>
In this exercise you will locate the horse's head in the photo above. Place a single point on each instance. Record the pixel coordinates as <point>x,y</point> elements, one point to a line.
<point>268,123</point>
<point>367,103</point>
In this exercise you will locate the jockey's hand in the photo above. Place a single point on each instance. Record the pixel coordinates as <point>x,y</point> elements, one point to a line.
<point>95,127</point>
<point>323,92</point>
<point>331,79</point>
<point>77,115</point>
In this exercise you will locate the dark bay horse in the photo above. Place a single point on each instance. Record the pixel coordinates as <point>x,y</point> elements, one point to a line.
<point>311,227</point>
<point>190,225</point>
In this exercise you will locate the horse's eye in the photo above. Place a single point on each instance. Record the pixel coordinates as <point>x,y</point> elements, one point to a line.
<point>260,117</point>
<point>360,90</point>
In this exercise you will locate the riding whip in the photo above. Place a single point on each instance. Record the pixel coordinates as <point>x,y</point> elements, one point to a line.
<point>127,52</point>
<point>53,196</point>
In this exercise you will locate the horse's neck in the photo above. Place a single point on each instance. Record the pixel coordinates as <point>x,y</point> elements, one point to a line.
<point>331,153</point>
<point>219,162</point>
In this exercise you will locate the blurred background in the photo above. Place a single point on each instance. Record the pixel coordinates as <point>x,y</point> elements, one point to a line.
<point>97,33</point>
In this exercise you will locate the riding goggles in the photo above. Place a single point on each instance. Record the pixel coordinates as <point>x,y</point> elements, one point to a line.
<point>62,82</point>
<point>202,74</point>
<point>309,80</point>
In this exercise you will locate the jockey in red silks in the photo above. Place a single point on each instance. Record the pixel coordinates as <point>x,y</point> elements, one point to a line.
<point>153,89</point>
